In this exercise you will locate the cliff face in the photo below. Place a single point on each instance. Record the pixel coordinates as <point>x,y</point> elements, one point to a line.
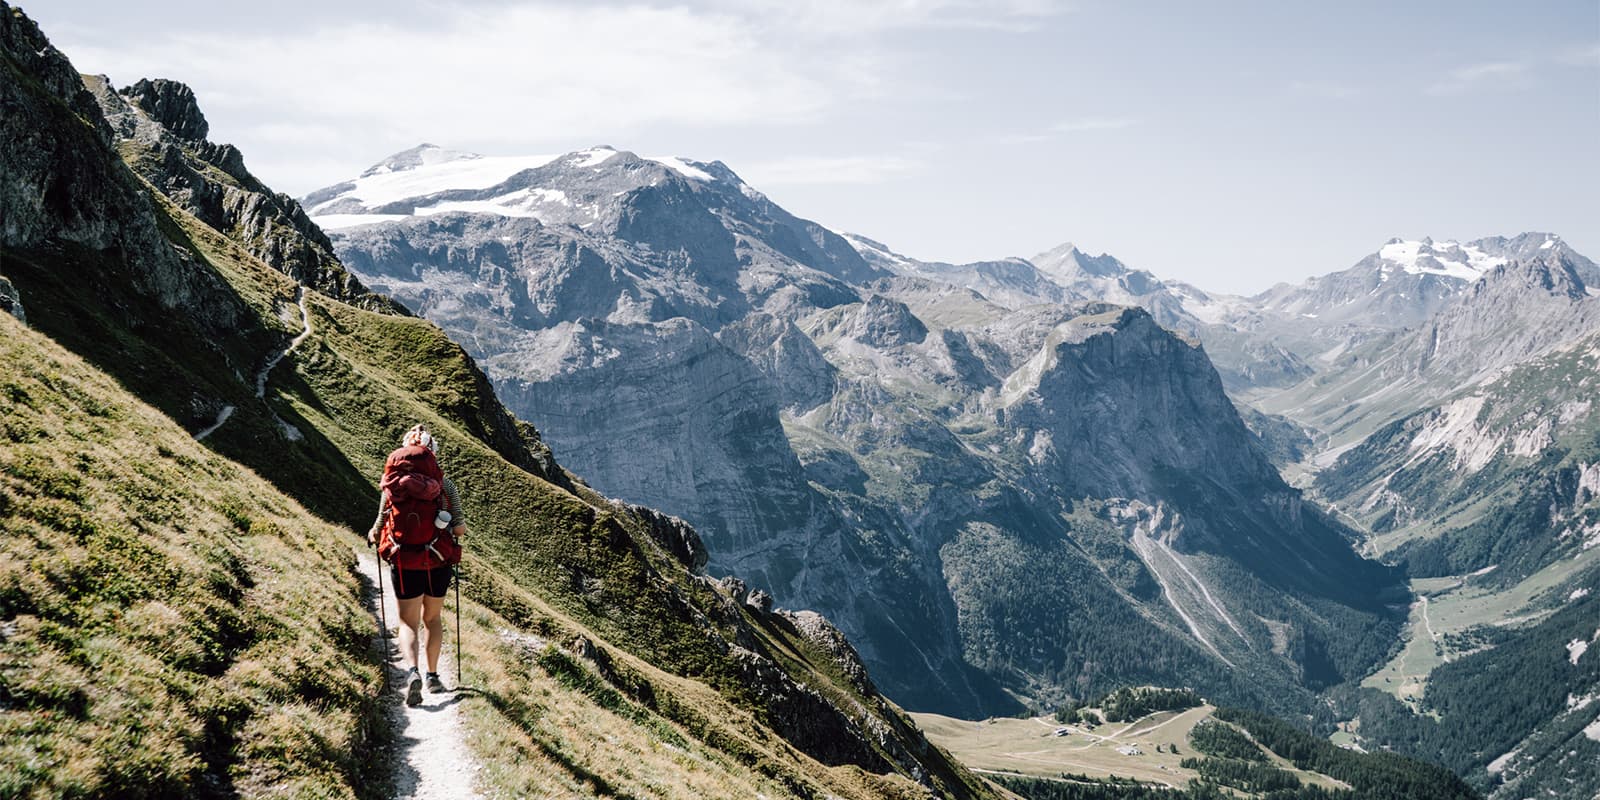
<point>159,127</point>
<point>65,190</point>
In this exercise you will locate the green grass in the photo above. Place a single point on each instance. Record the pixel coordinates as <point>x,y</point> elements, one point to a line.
<point>172,624</point>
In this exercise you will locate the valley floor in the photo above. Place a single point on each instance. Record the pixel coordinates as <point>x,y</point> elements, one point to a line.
<point>1448,607</point>
<point>1036,747</point>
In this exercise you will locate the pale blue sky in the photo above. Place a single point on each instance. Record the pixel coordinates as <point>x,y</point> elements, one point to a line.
<point>1229,144</point>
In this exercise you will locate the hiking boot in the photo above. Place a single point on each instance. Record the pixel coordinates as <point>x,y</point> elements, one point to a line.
<point>413,688</point>
<point>435,686</point>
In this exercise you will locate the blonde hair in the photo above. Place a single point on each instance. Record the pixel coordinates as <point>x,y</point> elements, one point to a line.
<point>419,436</point>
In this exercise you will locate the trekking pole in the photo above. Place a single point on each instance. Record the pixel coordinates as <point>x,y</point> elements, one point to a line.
<point>458,626</point>
<point>383,613</point>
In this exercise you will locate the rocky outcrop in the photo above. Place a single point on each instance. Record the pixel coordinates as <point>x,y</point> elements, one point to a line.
<point>1114,392</point>
<point>11,299</point>
<point>162,122</point>
<point>674,535</point>
<point>881,322</point>
<point>821,634</point>
<point>65,191</point>
<point>171,105</point>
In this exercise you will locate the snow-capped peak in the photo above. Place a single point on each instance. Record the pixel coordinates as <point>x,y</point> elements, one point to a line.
<point>411,183</point>
<point>423,155</point>
<point>1427,257</point>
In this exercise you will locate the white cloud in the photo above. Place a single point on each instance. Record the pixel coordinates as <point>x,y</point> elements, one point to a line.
<point>1091,124</point>
<point>496,78</point>
<point>1484,75</point>
<point>1064,128</point>
<point>796,170</point>
<point>859,17</point>
<point>1327,90</point>
<point>1584,56</point>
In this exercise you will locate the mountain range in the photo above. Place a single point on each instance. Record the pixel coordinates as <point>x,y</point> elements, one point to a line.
<point>857,435</point>
<point>1013,485</point>
<point>954,433</point>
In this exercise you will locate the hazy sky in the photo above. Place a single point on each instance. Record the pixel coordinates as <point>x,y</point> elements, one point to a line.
<point>1229,144</point>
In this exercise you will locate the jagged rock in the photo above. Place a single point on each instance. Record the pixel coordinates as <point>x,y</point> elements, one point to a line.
<point>209,180</point>
<point>11,299</point>
<point>821,634</point>
<point>734,588</point>
<point>786,356</point>
<point>760,600</point>
<point>581,647</point>
<point>172,105</point>
<point>674,535</point>
<point>62,187</point>
<point>803,716</point>
<point>882,322</point>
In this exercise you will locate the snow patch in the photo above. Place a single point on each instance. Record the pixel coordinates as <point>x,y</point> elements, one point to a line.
<point>1575,650</point>
<point>593,157</point>
<point>683,168</point>
<point>866,248</point>
<point>469,172</point>
<point>495,205</point>
<point>1578,594</point>
<point>333,222</point>
<point>1449,259</point>
<point>1593,731</point>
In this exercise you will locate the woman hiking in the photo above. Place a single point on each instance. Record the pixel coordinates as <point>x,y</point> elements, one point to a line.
<point>419,530</point>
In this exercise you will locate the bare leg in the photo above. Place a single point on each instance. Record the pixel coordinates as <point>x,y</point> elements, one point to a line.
<point>431,608</point>
<point>410,621</point>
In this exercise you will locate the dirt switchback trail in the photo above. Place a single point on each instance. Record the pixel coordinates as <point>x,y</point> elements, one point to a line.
<point>430,760</point>
<point>261,376</point>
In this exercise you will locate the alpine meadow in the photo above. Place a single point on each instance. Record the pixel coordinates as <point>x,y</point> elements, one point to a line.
<point>755,506</point>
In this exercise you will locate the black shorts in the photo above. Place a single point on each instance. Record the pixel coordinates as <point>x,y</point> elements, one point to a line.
<point>409,583</point>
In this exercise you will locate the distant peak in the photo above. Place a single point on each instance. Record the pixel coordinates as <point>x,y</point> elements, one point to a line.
<point>1063,249</point>
<point>422,155</point>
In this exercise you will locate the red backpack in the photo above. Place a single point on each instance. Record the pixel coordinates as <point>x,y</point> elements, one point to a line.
<point>413,486</point>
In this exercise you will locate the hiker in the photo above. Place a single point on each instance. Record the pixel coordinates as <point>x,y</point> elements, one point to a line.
<point>419,530</point>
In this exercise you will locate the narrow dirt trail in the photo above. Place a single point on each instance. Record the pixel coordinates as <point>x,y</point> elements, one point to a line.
<point>431,760</point>
<point>261,376</point>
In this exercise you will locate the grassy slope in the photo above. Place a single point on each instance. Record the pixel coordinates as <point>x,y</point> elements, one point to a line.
<point>172,623</point>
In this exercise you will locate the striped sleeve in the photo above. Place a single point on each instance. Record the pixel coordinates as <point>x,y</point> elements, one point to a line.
<point>457,515</point>
<point>383,510</point>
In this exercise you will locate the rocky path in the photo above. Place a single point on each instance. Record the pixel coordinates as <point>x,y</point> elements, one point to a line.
<point>431,760</point>
<point>261,376</point>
